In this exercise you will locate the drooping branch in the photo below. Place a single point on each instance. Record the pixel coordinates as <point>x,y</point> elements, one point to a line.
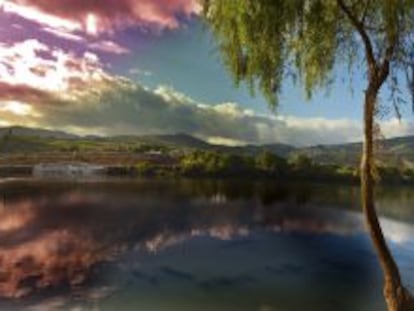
<point>365,11</point>
<point>392,40</point>
<point>409,72</point>
<point>369,51</point>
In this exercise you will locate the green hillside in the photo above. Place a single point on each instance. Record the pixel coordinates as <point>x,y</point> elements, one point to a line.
<point>20,140</point>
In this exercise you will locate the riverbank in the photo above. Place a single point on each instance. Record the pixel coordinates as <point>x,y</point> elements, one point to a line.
<point>152,170</point>
<point>194,164</point>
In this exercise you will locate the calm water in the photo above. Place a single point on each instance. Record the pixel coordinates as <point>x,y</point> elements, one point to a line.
<point>194,245</point>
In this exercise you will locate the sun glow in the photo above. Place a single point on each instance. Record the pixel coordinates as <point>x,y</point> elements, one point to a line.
<point>91,24</point>
<point>17,108</point>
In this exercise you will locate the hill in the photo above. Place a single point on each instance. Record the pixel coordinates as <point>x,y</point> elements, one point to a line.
<point>395,151</point>
<point>34,132</point>
<point>174,140</point>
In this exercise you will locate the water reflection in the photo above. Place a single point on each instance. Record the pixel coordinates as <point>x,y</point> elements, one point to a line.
<point>98,237</point>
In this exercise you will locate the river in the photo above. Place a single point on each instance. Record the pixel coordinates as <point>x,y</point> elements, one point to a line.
<point>199,245</point>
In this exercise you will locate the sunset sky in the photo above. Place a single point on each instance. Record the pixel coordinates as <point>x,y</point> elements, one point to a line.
<point>112,67</point>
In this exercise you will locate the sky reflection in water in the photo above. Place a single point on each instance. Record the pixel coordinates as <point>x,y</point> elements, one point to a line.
<point>193,245</point>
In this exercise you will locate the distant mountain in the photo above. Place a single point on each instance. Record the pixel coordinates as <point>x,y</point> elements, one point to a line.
<point>395,151</point>
<point>178,140</point>
<point>282,150</point>
<point>183,141</point>
<point>34,132</point>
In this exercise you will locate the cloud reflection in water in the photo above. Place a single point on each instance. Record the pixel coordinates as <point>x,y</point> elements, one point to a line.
<point>55,239</point>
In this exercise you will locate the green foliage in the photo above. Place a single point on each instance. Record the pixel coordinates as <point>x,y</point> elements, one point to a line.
<point>82,145</point>
<point>346,171</point>
<point>265,164</point>
<point>390,173</point>
<point>144,168</point>
<point>270,163</point>
<point>264,41</point>
<point>300,162</point>
<point>215,163</point>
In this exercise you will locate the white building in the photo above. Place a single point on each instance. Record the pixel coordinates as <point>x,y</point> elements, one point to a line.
<point>67,169</point>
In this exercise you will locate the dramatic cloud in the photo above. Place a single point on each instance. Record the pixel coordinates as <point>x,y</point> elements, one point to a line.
<point>120,106</point>
<point>48,87</point>
<point>32,71</point>
<point>25,93</point>
<point>95,17</point>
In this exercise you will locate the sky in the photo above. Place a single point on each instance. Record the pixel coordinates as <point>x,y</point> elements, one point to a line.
<point>114,67</point>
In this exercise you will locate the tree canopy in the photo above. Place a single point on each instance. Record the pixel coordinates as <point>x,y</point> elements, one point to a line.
<point>265,41</point>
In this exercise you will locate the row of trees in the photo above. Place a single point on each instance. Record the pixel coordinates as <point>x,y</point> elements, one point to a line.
<point>265,164</point>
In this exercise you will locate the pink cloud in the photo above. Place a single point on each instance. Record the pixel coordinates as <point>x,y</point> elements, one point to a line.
<point>33,73</point>
<point>23,93</point>
<point>94,17</point>
<point>34,64</point>
<point>61,33</point>
<point>109,47</point>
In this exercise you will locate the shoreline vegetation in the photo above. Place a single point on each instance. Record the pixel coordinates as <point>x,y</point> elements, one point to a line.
<point>201,164</point>
<point>180,155</point>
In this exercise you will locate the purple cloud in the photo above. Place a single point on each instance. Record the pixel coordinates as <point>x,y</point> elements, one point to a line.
<point>94,17</point>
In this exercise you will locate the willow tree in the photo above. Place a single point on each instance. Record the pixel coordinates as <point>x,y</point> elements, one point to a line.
<point>265,41</point>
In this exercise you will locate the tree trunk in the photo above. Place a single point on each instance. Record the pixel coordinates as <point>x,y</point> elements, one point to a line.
<point>396,296</point>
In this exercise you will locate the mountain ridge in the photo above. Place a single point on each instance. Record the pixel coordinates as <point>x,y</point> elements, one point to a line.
<point>396,149</point>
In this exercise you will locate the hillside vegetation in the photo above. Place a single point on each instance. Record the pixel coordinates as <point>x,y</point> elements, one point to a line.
<point>186,155</point>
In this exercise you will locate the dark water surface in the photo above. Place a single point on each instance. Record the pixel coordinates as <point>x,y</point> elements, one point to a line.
<point>181,245</point>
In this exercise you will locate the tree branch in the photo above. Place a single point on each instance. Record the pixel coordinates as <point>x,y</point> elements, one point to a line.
<point>409,74</point>
<point>392,39</point>
<point>365,11</point>
<point>369,51</point>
